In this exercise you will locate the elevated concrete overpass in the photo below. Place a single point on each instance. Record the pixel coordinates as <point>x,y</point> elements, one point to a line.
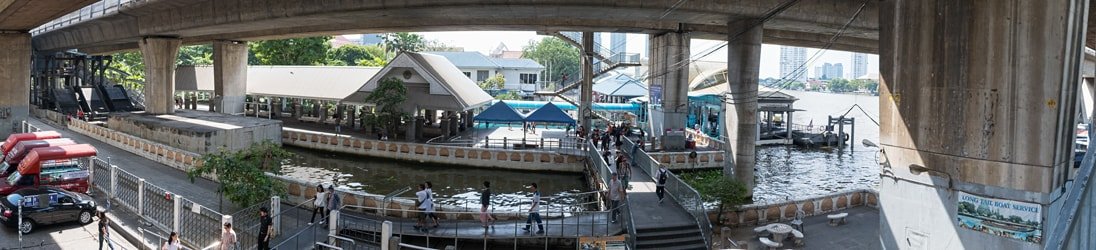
<point>809,23</point>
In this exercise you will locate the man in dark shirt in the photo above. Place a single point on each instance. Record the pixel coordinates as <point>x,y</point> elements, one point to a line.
<point>265,229</point>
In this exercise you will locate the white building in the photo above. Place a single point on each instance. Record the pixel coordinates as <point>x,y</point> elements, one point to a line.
<point>521,74</point>
<point>859,65</point>
<point>792,60</point>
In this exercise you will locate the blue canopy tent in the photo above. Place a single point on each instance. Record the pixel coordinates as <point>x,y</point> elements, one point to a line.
<point>550,113</point>
<point>499,112</point>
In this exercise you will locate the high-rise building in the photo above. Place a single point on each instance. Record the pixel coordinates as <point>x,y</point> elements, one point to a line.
<point>618,45</point>
<point>859,65</point>
<point>792,60</point>
<point>829,71</point>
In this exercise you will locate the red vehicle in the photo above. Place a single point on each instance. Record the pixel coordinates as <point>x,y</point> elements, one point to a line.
<point>21,149</point>
<point>8,144</point>
<point>61,166</point>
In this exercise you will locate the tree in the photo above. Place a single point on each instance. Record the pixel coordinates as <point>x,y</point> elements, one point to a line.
<point>128,69</point>
<point>375,62</point>
<point>352,54</point>
<point>840,86</point>
<point>295,51</point>
<point>559,57</point>
<point>242,174</point>
<point>403,42</point>
<point>493,83</point>
<point>389,96</point>
<point>195,55</point>
<point>435,45</point>
<point>714,187</point>
<point>508,96</point>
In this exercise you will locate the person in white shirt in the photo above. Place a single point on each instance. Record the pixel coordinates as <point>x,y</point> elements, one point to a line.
<point>615,195</point>
<point>319,203</point>
<point>534,214</point>
<point>172,242</point>
<point>423,204</point>
<point>430,211</point>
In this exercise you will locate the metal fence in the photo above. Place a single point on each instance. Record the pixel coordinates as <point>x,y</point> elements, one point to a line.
<point>685,195</point>
<point>568,145</point>
<point>605,173</point>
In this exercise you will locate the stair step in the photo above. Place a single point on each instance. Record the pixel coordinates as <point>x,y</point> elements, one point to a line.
<point>674,243</point>
<point>667,228</point>
<point>696,246</point>
<point>694,232</point>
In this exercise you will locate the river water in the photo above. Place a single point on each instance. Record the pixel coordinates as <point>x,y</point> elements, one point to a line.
<point>783,172</point>
<point>453,185</point>
<point>791,172</point>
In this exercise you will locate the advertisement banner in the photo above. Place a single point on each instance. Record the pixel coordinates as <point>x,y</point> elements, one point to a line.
<point>656,94</point>
<point>1005,218</point>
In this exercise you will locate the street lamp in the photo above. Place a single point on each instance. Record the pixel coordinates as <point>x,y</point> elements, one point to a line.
<point>918,169</point>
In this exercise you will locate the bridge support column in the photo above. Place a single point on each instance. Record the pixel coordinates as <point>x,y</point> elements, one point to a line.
<point>14,81</point>
<point>159,57</point>
<point>977,104</point>
<point>586,94</point>
<point>230,76</point>
<point>740,111</point>
<point>669,87</point>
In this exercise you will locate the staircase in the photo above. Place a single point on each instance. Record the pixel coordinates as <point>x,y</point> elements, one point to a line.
<point>674,237</point>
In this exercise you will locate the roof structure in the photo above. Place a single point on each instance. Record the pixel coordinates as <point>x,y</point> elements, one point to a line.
<point>500,112</point>
<point>618,84</point>
<point>551,114</point>
<point>313,82</point>
<point>472,59</point>
<point>764,94</point>
<point>432,83</point>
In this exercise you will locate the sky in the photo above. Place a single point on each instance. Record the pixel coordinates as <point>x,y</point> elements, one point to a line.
<point>485,41</point>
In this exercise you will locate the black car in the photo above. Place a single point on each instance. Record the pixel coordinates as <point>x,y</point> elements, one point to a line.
<point>45,205</point>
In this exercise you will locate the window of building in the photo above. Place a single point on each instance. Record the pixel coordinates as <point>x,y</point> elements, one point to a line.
<point>468,74</point>
<point>481,75</point>
<point>528,78</point>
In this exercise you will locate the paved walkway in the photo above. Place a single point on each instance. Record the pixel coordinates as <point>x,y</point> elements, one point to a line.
<point>861,232</point>
<point>71,235</point>
<point>647,211</point>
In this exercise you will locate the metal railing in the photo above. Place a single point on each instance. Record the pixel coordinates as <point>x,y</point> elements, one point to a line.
<point>569,144</point>
<point>605,173</point>
<point>1076,223</point>
<point>685,195</point>
<point>90,12</point>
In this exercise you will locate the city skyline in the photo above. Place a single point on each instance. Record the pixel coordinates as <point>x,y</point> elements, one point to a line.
<point>702,50</point>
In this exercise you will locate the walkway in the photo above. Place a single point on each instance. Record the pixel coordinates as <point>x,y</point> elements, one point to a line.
<point>861,232</point>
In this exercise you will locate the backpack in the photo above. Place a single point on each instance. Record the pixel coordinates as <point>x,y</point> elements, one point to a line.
<point>662,176</point>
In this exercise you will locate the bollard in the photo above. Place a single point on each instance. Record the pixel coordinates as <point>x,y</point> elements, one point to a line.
<point>333,227</point>
<point>276,212</point>
<point>386,236</point>
<point>113,181</point>
<point>141,197</point>
<point>177,212</point>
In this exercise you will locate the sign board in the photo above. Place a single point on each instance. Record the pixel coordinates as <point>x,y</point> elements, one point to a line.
<point>1006,218</point>
<point>656,94</point>
<point>603,243</point>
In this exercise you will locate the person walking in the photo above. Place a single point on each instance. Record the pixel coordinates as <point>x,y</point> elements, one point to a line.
<point>660,188</point>
<point>614,197</point>
<point>430,211</point>
<point>625,170</point>
<point>421,204</point>
<point>228,238</point>
<point>485,203</point>
<point>104,231</point>
<point>534,214</point>
<point>172,242</point>
<point>266,229</point>
<point>333,200</point>
<point>319,203</point>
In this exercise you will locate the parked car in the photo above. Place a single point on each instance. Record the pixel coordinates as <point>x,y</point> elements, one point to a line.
<point>45,206</point>
<point>22,149</point>
<point>65,167</point>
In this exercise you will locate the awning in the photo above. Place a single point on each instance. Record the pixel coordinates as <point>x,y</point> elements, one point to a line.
<point>551,114</point>
<point>500,112</point>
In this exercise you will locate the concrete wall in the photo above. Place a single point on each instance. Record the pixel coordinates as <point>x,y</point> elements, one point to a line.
<point>476,157</point>
<point>167,155</point>
<point>222,131</point>
<point>760,214</point>
<point>681,160</point>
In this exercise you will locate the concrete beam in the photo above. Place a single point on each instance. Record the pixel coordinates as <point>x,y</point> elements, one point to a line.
<point>198,21</point>
<point>230,76</point>
<point>15,63</point>
<point>159,57</point>
<point>743,70</point>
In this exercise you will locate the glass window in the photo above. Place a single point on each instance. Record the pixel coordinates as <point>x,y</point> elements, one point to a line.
<point>528,78</point>
<point>481,75</point>
<point>468,74</point>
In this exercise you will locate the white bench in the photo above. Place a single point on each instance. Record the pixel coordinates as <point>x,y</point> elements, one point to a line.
<point>798,237</point>
<point>837,219</point>
<point>771,244</point>
<point>761,231</point>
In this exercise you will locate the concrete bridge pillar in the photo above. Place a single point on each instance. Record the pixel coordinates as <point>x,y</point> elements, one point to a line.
<point>669,87</point>
<point>976,105</point>
<point>14,81</point>
<point>159,57</point>
<point>230,75</point>
<point>740,111</point>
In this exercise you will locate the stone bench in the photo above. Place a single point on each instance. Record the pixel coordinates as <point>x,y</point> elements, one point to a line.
<point>771,244</point>
<point>837,219</point>
<point>761,231</point>
<point>798,237</point>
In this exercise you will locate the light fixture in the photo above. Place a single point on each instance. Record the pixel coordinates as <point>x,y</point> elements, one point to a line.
<point>918,169</point>
<point>869,143</point>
